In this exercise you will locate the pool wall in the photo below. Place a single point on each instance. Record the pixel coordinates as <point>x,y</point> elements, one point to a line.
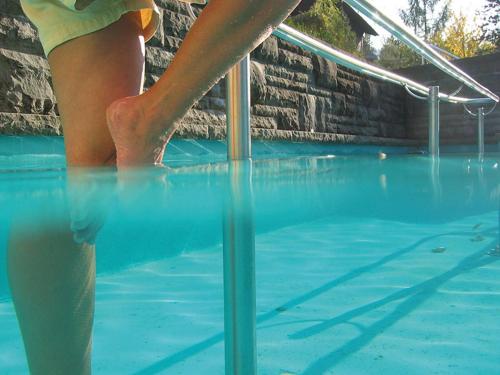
<point>296,96</point>
<point>457,127</point>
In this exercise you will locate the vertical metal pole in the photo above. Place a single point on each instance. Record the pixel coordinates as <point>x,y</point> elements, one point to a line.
<point>238,111</point>
<point>433,101</point>
<point>239,230</point>
<point>436,181</point>
<point>239,273</point>
<point>480,132</point>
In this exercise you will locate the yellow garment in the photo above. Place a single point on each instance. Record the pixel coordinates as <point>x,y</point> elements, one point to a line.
<point>58,21</point>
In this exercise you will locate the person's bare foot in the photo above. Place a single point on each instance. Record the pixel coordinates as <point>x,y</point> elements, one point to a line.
<point>134,128</point>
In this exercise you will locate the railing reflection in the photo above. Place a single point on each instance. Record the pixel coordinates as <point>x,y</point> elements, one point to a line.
<point>239,271</point>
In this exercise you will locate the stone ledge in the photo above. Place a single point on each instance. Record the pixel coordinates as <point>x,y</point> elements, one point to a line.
<point>29,124</point>
<point>219,132</point>
<point>298,136</point>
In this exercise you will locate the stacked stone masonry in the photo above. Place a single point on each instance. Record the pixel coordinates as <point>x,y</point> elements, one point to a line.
<point>457,127</point>
<point>296,95</point>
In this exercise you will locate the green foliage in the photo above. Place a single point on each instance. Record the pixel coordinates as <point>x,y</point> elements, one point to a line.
<point>426,17</point>
<point>396,55</point>
<point>368,51</point>
<point>461,40</point>
<point>326,21</point>
<point>491,21</point>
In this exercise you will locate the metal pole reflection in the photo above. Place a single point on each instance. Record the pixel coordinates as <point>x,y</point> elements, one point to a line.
<point>435,180</point>
<point>239,230</point>
<point>239,272</point>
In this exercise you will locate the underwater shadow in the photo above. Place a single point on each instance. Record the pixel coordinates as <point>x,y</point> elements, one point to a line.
<point>182,355</point>
<point>415,296</point>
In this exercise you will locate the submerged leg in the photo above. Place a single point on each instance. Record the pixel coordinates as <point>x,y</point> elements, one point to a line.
<point>52,282</point>
<point>225,31</point>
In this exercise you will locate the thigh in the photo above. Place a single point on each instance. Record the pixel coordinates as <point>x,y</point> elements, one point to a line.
<point>89,73</point>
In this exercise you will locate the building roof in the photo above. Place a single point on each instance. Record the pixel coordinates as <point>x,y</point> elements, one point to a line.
<point>358,23</point>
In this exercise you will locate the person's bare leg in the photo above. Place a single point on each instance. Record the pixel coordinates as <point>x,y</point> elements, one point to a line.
<point>89,73</point>
<point>225,31</point>
<point>52,275</point>
<point>52,280</point>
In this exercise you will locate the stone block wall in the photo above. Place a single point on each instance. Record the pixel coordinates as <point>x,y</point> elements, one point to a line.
<point>457,127</point>
<point>295,95</point>
<point>294,90</point>
<point>27,103</point>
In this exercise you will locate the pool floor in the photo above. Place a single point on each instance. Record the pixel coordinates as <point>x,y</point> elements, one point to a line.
<point>334,296</point>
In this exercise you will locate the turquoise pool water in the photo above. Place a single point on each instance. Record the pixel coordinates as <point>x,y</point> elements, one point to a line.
<point>364,265</point>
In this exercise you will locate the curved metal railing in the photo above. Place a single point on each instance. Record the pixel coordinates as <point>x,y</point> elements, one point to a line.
<point>402,33</point>
<point>310,44</point>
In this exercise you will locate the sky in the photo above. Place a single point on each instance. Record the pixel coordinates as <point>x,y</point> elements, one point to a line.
<point>468,7</point>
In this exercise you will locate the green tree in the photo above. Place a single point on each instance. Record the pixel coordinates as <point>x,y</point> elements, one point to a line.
<point>395,55</point>
<point>426,17</point>
<point>461,40</point>
<point>368,51</point>
<point>491,23</point>
<point>326,21</point>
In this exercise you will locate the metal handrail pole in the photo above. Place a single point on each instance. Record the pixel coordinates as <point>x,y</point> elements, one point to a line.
<point>320,48</point>
<point>239,272</point>
<point>238,111</point>
<point>480,132</point>
<point>239,230</point>
<point>402,33</point>
<point>433,104</point>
